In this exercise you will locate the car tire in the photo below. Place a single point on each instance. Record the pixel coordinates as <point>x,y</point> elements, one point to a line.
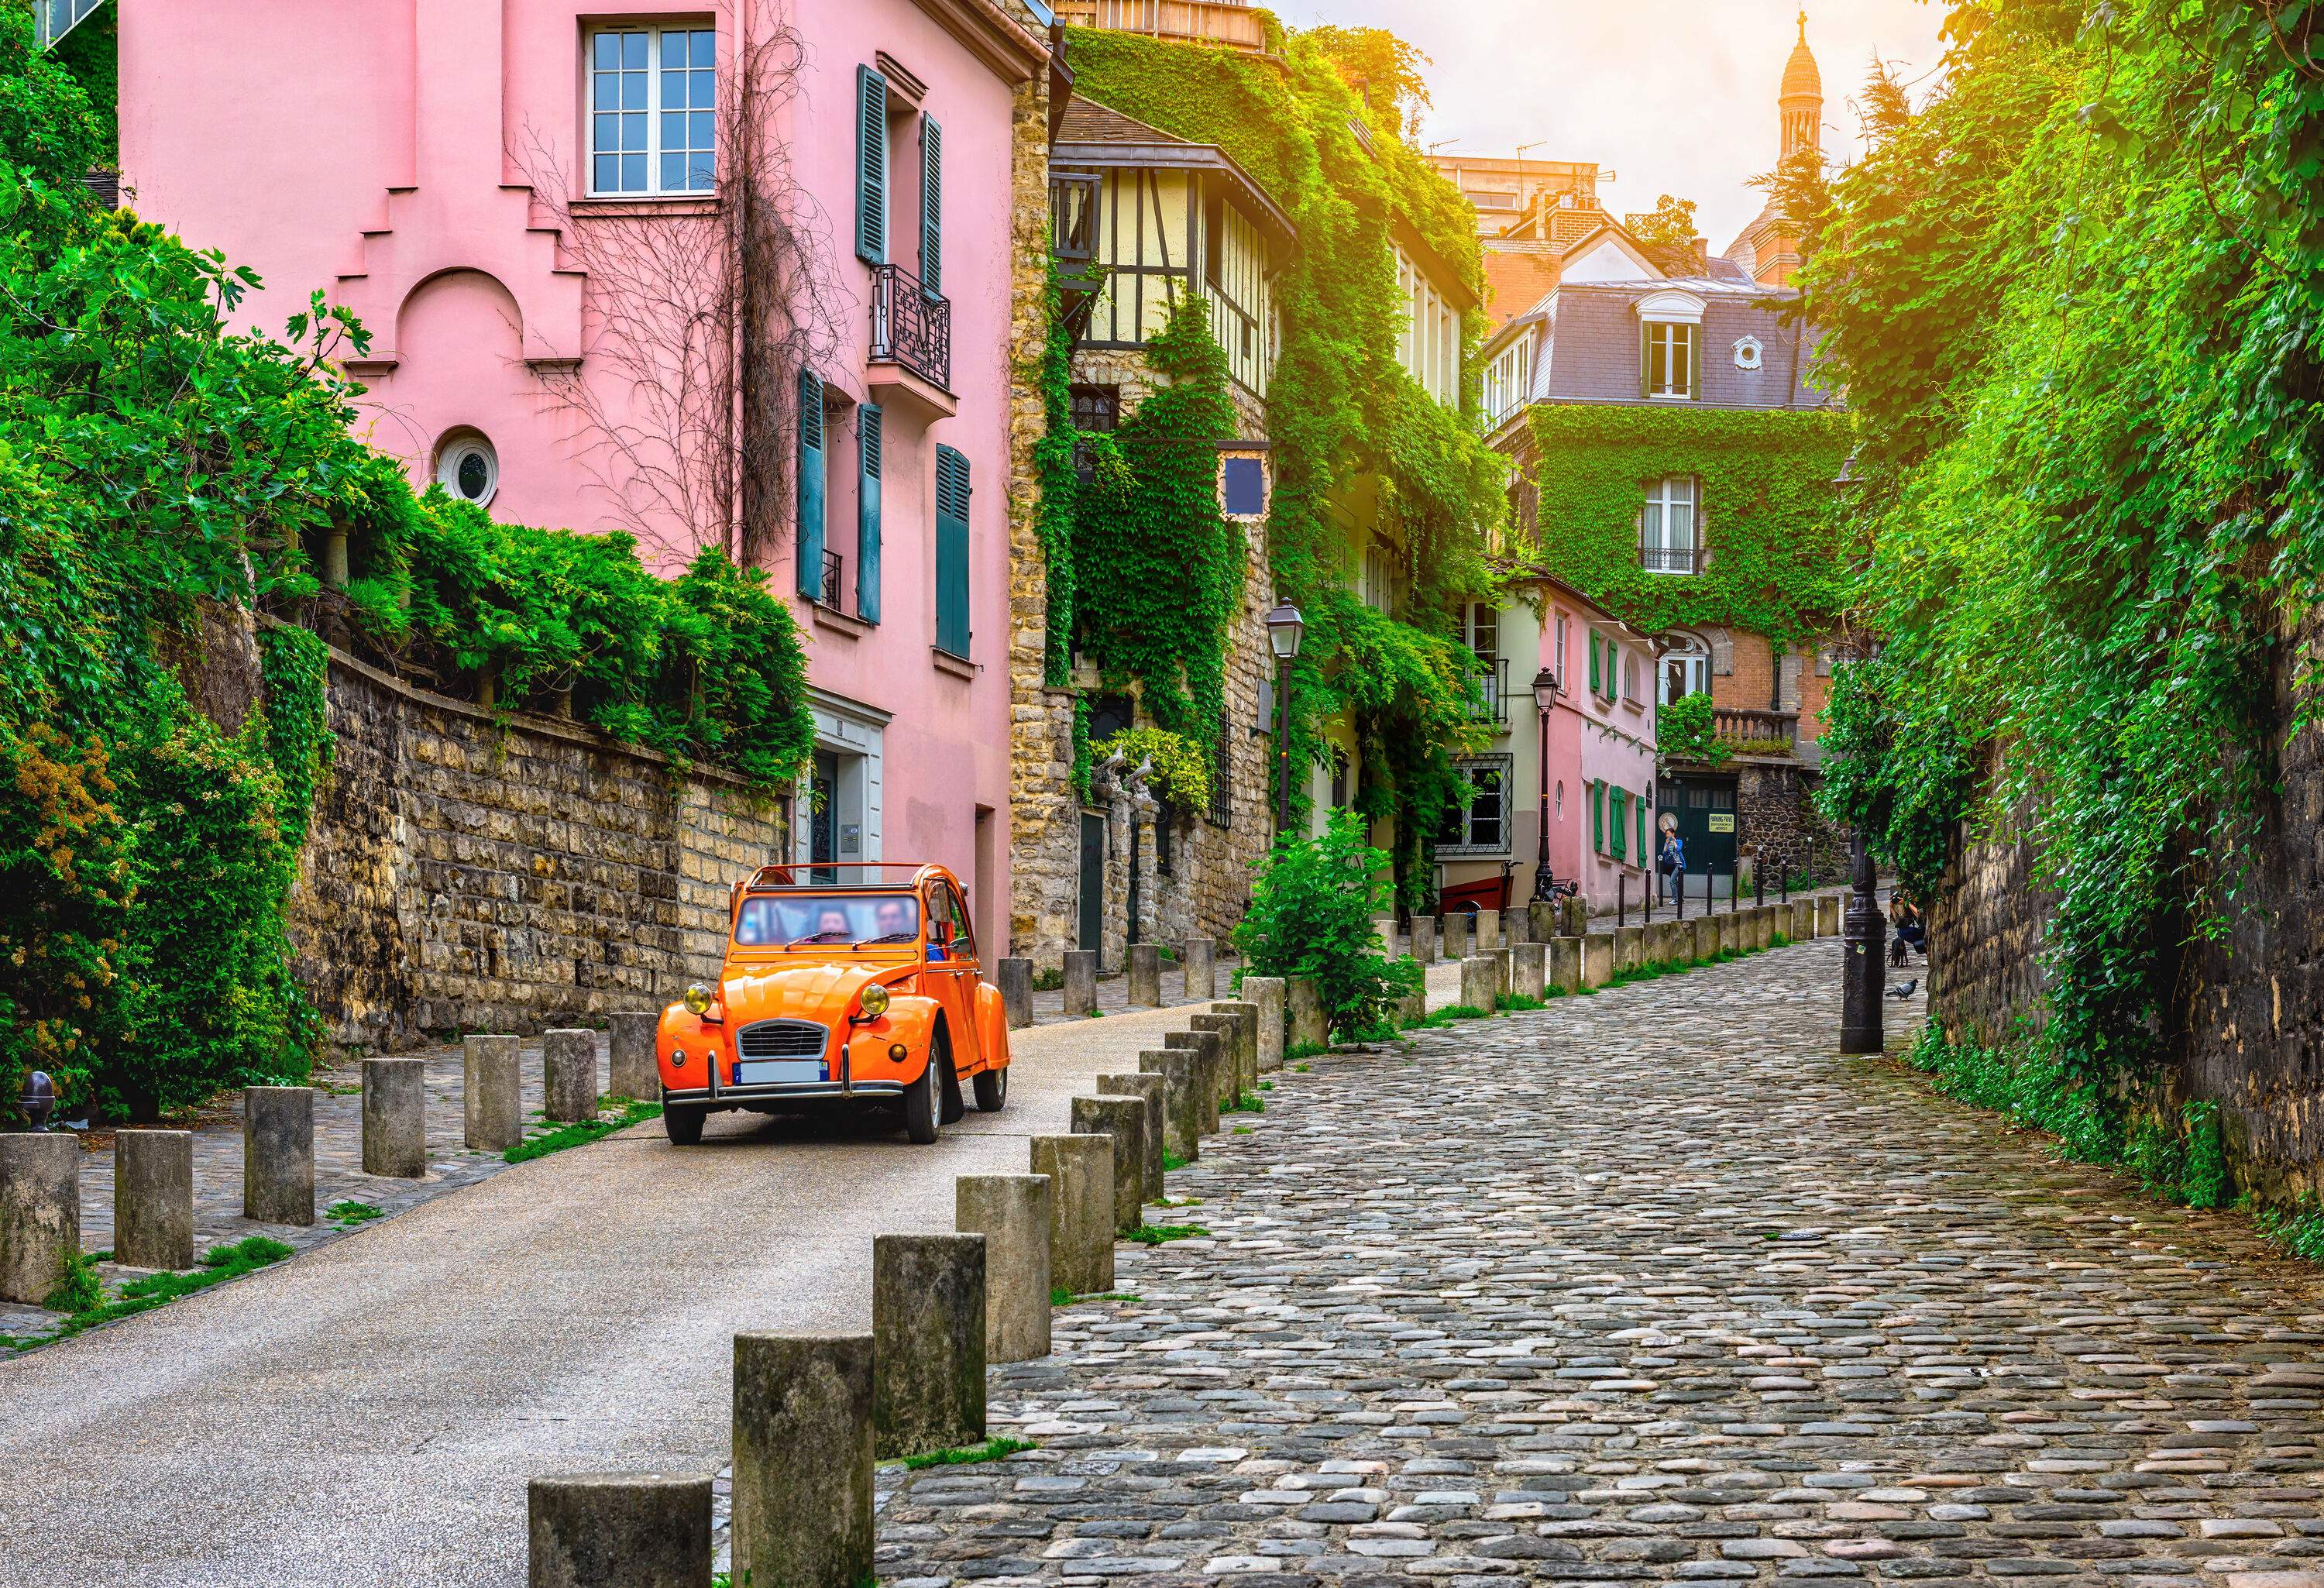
<point>955,1107</point>
<point>991,1089</point>
<point>683,1125</point>
<point>923,1103</point>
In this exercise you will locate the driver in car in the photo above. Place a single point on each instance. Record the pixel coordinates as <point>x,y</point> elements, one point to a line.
<point>892,923</point>
<point>832,923</point>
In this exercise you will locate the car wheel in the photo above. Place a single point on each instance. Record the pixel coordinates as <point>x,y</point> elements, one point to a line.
<point>683,1125</point>
<point>991,1089</point>
<point>923,1103</point>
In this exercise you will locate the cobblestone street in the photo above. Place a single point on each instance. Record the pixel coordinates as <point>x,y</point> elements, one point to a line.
<point>1651,1285</point>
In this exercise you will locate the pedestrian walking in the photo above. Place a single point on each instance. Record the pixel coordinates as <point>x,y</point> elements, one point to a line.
<point>1672,860</point>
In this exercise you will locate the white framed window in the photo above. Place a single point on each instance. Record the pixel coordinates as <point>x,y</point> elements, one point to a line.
<point>1685,669</point>
<point>653,111</point>
<point>1379,577</point>
<point>1479,824</point>
<point>1482,628</point>
<point>468,469</point>
<point>1631,676</point>
<point>1668,542</point>
<point>1507,379</point>
<point>1670,359</point>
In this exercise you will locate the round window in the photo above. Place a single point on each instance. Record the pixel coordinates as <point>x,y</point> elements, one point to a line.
<point>469,469</point>
<point>1747,353</point>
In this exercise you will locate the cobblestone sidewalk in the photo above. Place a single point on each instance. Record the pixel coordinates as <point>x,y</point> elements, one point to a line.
<point>1651,1286</point>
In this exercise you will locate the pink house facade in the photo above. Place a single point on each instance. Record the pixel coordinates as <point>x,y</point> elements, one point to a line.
<point>531,205</point>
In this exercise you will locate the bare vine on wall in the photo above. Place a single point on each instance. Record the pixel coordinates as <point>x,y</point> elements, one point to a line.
<point>700,315</point>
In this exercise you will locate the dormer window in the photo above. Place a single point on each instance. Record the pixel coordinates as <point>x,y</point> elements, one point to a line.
<point>1670,346</point>
<point>1749,354</point>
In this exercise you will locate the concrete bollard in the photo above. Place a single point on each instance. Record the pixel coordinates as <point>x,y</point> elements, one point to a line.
<point>1424,938</point>
<point>1011,1212</point>
<point>1182,1103</point>
<point>1529,970</point>
<point>802,1481</point>
<point>1145,976</point>
<point>278,1154</point>
<point>1577,916</point>
<point>40,1212</point>
<point>1541,919</point>
<point>630,1067</point>
<point>1706,936</point>
<point>1246,1040</point>
<point>1305,1023</point>
<point>1232,1083</point>
<point>1828,916</point>
<point>568,1065</point>
<point>153,1199</point>
<point>1489,930</point>
<point>1211,1072</point>
<point>618,1530</point>
<point>927,1344</point>
<point>1663,945</point>
<point>1802,927</point>
<point>1597,959</point>
<point>1202,968</point>
<point>1477,976</point>
<point>1080,980</point>
<point>1015,981</point>
<point>1148,1091</point>
<point>395,1118</point>
<point>1500,958</point>
<point>1565,964</point>
<point>1081,1210</point>
<point>1412,1008</point>
<point>1629,947</point>
<point>491,1093</point>
<point>1269,995</point>
<point>1730,933</point>
<point>1121,1119</point>
<point>1385,926</point>
<point>1453,934</point>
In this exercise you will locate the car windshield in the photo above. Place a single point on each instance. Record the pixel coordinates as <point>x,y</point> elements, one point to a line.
<point>792,921</point>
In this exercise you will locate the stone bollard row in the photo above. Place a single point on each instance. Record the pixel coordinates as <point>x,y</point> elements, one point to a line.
<point>1706,936</point>
<point>395,1118</point>
<point>1232,1082</point>
<point>1149,1092</point>
<point>1565,964</point>
<point>1210,1071</point>
<point>568,1065</point>
<point>1541,921</point>
<point>278,1155</point>
<point>40,1212</point>
<point>1424,938</point>
<point>1268,994</point>
<point>1011,1212</point>
<point>1453,934</point>
<point>153,1199</point>
<point>1629,947</point>
<point>1487,930</point>
<point>630,1067</point>
<point>1528,970</point>
<point>1597,959</point>
<point>1145,975</point>
<point>1500,958</point>
<point>1828,916</point>
<point>1305,1026</point>
<point>1080,1169</point>
<point>1015,980</point>
<point>1245,1016</point>
<point>491,1093</point>
<point>1476,982</point>
<point>1122,1122</point>
<point>1412,1006</point>
<point>1080,980</point>
<point>618,1530</point>
<point>928,1343</point>
<point>1202,969</point>
<point>802,1476</point>
<point>1182,1104</point>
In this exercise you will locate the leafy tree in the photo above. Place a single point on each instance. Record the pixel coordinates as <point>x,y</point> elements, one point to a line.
<point>1311,915</point>
<point>1387,74</point>
<point>1672,221</point>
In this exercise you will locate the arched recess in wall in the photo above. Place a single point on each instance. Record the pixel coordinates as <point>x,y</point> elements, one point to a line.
<point>1684,667</point>
<point>460,381</point>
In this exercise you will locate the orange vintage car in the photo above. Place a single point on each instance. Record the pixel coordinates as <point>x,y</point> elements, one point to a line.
<point>844,985</point>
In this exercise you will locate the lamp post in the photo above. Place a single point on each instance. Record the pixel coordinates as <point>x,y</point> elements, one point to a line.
<point>1545,695</point>
<point>1860,940</point>
<point>1284,629</point>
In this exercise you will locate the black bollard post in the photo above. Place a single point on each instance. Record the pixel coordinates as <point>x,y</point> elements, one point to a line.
<point>1867,977</point>
<point>1621,901</point>
<point>1758,883</point>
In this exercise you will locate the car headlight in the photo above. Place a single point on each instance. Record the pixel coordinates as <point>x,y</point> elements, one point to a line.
<point>874,1001</point>
<point>697,999</point>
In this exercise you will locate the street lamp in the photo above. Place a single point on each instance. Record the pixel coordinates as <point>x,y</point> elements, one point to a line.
<point>1545,695</point>
<point>1284,629</point>
<point>1862,934</point>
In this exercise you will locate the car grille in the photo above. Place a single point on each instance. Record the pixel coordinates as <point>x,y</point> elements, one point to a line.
<point>782,1039</point>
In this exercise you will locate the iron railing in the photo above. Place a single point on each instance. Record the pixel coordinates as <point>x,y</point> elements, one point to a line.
<point>1670,559</point>
<point>834,580</point>
<point>1494,686</point>
<point>910,324</point>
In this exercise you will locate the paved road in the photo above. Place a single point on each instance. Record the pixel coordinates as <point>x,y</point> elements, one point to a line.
<point>1652,1286</point>
<point>369,1413</point>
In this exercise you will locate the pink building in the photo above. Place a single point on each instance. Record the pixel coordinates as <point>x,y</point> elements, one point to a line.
<point>540,209</point>
<point>1593,789</point>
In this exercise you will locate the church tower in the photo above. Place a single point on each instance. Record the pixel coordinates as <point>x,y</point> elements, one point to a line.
<point>1801,98</point>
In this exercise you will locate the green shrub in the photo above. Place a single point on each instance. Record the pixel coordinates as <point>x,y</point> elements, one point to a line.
<point>1311,915</point>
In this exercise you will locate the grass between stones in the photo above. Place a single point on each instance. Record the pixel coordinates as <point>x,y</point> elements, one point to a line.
<point>348,1215</point>
<point>1519,1002</point>
<point>1171,1160</point>
<point>992,1449</point>
<point>1155,1234</point>
<point>1248,1102</point>
<point>580,1134</point>
<point>81,1293</point>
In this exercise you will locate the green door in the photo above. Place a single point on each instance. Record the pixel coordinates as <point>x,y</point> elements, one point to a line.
<point>1706,820</point>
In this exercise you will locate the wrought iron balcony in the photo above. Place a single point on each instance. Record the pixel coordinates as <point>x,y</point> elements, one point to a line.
<point>1670,559</point>
<point>911,326</point>
<point>1494,686</point>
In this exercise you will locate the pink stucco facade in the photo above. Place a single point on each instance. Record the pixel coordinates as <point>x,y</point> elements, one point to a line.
<point>423,161</point>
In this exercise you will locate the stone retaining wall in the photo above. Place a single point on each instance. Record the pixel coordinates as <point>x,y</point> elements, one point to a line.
<point>469,873</point>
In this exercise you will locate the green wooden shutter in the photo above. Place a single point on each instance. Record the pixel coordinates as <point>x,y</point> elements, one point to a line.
<point>810,486</point>
<point>1645,359</point>
<point>1644,854</point>
<point>871,166</point>
<point>931,205</point>
<point>1693,364</point>
<point>952,552</point>
<point>1621,802</point>
<point>1598,818</point>
<point>868,422</point>
<point>1595,688</point>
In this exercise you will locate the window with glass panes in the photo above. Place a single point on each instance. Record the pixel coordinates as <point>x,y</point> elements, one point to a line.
<point>653,104</point>
<point>1666,543</point>
<point>1670,359</point>
<point>1480,825</point>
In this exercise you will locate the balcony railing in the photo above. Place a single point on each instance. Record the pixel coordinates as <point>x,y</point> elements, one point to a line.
<point>1670,559</point>
<point>1495,688</point>
<point>835,581</point>
<point>1756,733</point>
<point>910,324</point>
<point>1210,21</point>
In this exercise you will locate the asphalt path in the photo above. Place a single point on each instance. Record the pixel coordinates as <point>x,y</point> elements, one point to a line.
<point>370,1413</point>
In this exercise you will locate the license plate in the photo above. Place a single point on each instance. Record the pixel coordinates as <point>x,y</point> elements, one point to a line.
<point>775,1072</point>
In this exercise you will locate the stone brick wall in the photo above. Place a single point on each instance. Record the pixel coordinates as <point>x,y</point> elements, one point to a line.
<point>1985,935</point>
<point>1776,815</point>
<point>467,874</point>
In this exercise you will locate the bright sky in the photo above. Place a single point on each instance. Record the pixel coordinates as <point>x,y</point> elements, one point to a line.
<point>1673,96</point>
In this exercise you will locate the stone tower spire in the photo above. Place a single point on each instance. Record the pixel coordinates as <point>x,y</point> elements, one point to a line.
<point>1800,100</point>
